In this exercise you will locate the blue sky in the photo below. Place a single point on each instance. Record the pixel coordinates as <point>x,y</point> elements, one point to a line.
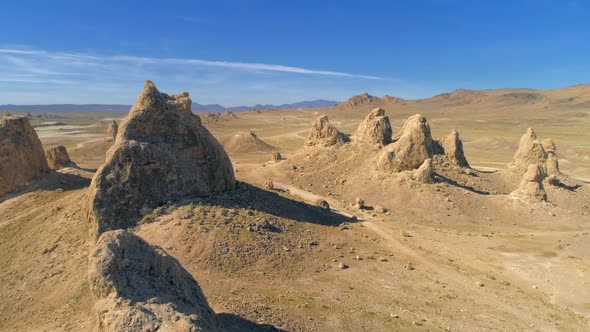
<point>248,52</point>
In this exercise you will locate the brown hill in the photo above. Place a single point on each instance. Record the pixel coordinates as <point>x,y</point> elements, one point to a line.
<point>245,143</point>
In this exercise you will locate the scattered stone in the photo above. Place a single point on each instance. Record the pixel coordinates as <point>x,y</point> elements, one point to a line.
<point>269,185</point>
<point>382,259</point>
<point>322,133</point>
<point>342,266</point>
<point>409,266</point>
<point>112,131</point>
<point>359,203</point>
<point>376,128</point>
<point>412,146</point>
<point>322,203</point>
<point>162,153</point>
<point>406,234</point>
<point>59,190</point>
<point>21,154</point>
<point>58,158</point>
<point>479,284</point>
<point>139,287</point>
<point>380,209</point>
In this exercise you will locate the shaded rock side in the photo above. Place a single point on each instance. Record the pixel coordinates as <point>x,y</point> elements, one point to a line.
<point>376,128</point>
<point>530,152</point>
<point>21,154</point>
<point>452,147</point>
<point>323,133</point>
<point>58,157</point>
<point>412,146</point>
<point>531,187</point>
<point>112,131</point>
<point>162,153</point>
<point>140,288</point>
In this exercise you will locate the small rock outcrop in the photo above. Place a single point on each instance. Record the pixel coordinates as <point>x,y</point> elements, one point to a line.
<point>322,133</point>
<point>21,154</point>
<point>425,173</point>
<point>276,156</point>
<point>412,146</point>
<point>162,153</point>
<point>140,288</point>
<point>551,164</point>
<point>376,128</point>
<point>112,131</point>
<point>452,147</point>
<point>531,187</point>
<point>530,152</point>
<point>58,158</point>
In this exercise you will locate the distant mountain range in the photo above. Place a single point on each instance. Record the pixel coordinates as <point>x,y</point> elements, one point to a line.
<point>124,108</point>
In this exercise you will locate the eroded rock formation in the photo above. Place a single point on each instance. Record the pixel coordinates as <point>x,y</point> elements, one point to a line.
<point>530,152</point>
<point>376,128</point>
<point>412,146</point>
<point>162,153</point>
<point>21,154</point>
<point>323,133</point>
<point>424,173</point>
<point>531,187</point>
<point>112,131</point>
<point>58,157</point>
<point>551,164</point>
<point>452,148</point>
<point>140,288</point>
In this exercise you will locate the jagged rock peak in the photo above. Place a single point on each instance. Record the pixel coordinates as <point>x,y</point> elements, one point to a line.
<point>376,128</point>
<point>530,152</point>
<point>412,146</point>
<point>323,133</point>
<point>21,154</point>
<point>162,153</point>
<point>452,147</point>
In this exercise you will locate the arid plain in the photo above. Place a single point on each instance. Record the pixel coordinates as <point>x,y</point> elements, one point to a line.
<point>461,253</point>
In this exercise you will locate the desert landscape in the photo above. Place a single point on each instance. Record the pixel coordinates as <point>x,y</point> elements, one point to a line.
<point>465,211</point>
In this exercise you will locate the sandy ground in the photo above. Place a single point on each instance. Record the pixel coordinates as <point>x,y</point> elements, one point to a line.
<point>460,255</point>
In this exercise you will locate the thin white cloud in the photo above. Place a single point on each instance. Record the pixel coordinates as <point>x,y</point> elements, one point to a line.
<point>91,59</point>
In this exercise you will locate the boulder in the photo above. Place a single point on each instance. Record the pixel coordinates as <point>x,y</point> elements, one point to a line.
<point>276,156</point>
<point>322,203</point>
<point>452,148</point>
<point>531,187</point>
<point>322,133</point>
<point>58,158</point>
<point>112,131</point>
<point>412,146</point>
<point>425,173</point>
<point>375,128</point>
<point>530,152</point>
<point>21,154</point>
<point>162,153</point>
<point>140,288</point>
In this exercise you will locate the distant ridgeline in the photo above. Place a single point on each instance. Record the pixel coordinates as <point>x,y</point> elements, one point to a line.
<point>125,108</point>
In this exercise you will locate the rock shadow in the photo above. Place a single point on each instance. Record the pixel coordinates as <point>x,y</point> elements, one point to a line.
<point>457,184</point>
<point>51,181</point>
<point>251,197</point>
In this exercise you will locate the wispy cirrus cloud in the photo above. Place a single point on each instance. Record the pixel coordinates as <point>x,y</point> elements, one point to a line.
<point>93,59</point>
